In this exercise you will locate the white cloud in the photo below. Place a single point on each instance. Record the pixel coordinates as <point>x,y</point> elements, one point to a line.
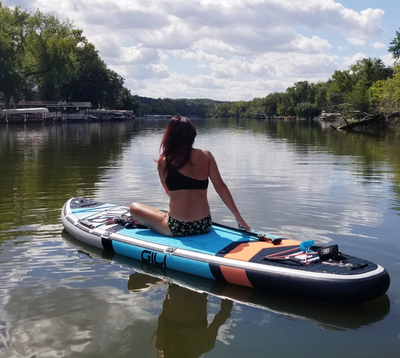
<point>315,44</point>
<point>356,41</point>
<point>141,55</point>
<point>378,45</point>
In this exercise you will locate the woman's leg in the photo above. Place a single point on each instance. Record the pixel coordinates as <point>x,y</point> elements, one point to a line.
<point>151,217</point>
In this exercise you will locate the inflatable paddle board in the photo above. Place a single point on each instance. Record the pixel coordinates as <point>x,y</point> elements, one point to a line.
<point>264,262</point>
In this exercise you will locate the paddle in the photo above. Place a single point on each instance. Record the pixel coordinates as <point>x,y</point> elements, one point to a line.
<point>260,236</point>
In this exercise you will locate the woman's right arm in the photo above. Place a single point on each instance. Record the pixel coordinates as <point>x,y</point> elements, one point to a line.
<point>162,175</point>
<point>222,189</point>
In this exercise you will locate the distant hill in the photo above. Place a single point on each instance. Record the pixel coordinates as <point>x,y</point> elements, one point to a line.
<point>198,107</point>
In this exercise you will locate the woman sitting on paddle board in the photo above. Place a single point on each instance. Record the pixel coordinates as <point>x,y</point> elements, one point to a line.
<point>184,173</point>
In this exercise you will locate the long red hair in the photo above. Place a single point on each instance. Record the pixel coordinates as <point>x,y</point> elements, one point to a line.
<point>177,143</point>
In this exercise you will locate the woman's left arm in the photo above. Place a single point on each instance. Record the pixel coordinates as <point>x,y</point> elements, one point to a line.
<point>223,191</point>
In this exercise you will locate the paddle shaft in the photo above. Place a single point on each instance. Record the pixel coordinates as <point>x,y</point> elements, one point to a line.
<point>259,236</point>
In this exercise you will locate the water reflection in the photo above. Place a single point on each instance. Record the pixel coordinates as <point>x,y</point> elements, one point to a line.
<point>44,165</point>
<point>183,329</point>
<point>69,322</point>
<point>327,316</point>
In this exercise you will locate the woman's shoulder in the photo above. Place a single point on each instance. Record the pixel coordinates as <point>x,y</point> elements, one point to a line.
<point>201,156</point>
<point>202,152</point>
<point>205,159</point>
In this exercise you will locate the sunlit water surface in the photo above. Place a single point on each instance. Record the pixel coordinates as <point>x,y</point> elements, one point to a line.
<point>299,180</point>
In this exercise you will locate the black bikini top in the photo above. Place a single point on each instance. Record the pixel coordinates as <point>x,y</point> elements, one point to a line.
<point>178,181</point>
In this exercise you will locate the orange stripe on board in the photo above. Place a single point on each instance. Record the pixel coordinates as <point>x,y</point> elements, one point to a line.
<point>235,276</point>
<point>245,251</point>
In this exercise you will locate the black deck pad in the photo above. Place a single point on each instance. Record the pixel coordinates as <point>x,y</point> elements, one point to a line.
<point>351,266</point>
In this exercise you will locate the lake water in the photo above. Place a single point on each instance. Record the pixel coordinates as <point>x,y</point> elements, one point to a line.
<point>299,180</point>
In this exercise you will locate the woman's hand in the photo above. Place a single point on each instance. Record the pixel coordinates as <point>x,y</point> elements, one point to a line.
<point>242,224</point>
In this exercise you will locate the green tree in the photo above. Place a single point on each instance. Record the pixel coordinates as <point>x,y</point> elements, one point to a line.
<point>284,107</point>
<point>387,93</point>
<point>301,92</point>
<point>221,111</point>
<point>395,46</point>
<point>307,110</point>
<point>11,39</point>
<point>375,93</point>
<point>321,95</point>
<point>270,104</point>
<point>369,70</point>
<point>364,73</point>
<point>357,102</point>
<point>49,57</point>
<point>90,80</point>
<point>342,81</point>
<point>127,101</point>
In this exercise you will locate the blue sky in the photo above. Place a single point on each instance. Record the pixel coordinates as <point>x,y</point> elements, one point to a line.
<point>228,49</point>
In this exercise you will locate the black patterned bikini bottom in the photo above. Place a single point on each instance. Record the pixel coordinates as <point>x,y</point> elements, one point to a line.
<point>189,228</point>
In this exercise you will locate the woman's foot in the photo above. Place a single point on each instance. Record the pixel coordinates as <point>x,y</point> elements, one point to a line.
<point>124,220</point>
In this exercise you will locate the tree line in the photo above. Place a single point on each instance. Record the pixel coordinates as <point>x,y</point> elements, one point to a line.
<point>199,107</point>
